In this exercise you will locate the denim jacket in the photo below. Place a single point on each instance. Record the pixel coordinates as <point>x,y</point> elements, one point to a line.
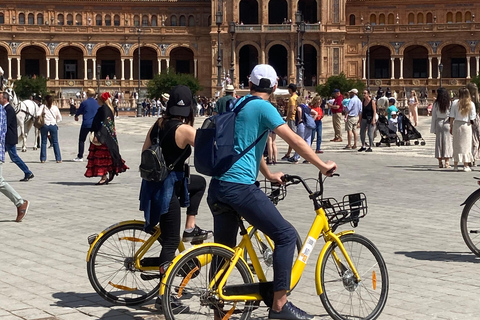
<point>3,132</point>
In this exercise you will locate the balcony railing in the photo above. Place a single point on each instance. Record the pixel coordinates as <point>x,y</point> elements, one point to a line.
<point>275,28</point>
<point>429,27</point>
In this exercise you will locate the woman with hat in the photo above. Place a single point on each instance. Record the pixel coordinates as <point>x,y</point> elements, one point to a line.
<point>161,201</point>
<point>104,155</point>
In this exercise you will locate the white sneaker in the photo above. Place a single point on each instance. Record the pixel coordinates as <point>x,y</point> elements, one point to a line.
<point>78,159</point>
<point>467,169</point>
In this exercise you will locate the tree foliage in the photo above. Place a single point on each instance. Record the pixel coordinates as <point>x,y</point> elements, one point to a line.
<point>341,83</point>
<point>28,86</point>
<point>476,80</point>
<point>165,81</point>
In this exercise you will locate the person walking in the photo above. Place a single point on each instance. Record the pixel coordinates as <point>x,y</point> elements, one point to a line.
<point>337,110</point>
<point>11,138</point>
<point>440,126</point>
<point>88,109</point>
<point>301,121</point>
<point>52,117</point>
<point>462,114</point>
<point>5,188</point>
<point>291,112</point>
<point>353,110</point>
<point>221,106</point>
<point>317,132</point>
<point>367,120</point>
<point>473,89</point>
<point>104,155</point>
<point>413,107</point>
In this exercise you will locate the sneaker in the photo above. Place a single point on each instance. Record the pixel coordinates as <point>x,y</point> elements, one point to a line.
<point>318,151</point>
<point>29,177</point>
<point>292,160</point>
<point>305,161</point>
<point>77,159</point>
<point>286,157</point>
<point>22,210</point>
<point>197,234</point>
<point>289,312</point>
<point>362,149</point>
<point>176,304</point>
<point>467,169</point>
<point>369,150</point>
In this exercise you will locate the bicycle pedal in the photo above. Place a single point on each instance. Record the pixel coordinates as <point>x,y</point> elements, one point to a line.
<point>148,277</point>
<point>196,242</point>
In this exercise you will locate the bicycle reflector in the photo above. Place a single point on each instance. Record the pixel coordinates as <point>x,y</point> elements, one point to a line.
<point>374,280</point>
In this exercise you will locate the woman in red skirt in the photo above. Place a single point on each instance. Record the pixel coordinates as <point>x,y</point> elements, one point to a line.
<point>104,159</point>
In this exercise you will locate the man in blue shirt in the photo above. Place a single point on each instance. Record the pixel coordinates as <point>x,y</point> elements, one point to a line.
<point>353,110</point>
<point>88,109</point>
<point>5,188</point>
<point>236,188</point>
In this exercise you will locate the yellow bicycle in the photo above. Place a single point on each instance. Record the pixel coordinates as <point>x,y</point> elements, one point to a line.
<point>351,277</point>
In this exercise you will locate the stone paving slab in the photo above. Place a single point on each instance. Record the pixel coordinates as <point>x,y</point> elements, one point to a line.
<point>414,217</point>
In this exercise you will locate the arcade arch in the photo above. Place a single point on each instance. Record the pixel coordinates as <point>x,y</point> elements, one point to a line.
<point>248,59</point>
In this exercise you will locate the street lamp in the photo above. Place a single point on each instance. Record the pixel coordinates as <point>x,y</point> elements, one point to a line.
<point>231,30</point>
<point>440,71</point>
<point>99,72</point>
<point>218,22</point>
<point>300,30</point>
<point>139,103</point>
<point>368,29</point>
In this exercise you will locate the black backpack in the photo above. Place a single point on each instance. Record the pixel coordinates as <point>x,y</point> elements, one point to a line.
<point>152,165</point>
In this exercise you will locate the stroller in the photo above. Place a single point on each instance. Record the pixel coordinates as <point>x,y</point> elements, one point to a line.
<point>408,131</point>
<point>387,135</point>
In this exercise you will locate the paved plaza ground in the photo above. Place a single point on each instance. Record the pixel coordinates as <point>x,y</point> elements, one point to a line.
<point>413,218</point>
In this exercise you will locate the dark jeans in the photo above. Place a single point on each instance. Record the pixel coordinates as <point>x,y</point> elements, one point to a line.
<point>170,221</point>
<point>44,131</point>
<point>317,130</point>
<point>12,152</point>
<point>81,141</point>
<point>254,206</point>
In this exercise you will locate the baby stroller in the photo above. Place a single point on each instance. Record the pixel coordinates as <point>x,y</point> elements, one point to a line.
<point>387,136</point>
<point>408,131</point>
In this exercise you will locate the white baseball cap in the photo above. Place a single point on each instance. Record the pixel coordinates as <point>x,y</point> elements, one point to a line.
<point>354,91</point>
<point>263,76</point>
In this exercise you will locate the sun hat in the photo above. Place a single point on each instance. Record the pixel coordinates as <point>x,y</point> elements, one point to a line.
<point>354,91</point>
<point>393,113</point>
<point>165,96</point>
<point>180,102</point>
<point>90,92</point>
<point>263,76</point>
<point>229,88</point>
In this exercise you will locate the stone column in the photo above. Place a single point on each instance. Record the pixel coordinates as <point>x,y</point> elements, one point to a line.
<point>94,69</point>
<point>439,60</point>
<point>195,62</point>
<point>401,68</point>
<point>477,64</point>
<point>48,67</point>
<point>364,68</point>
<point>468,67</point>
<point>18,68</point>
<point>131,69</point>
<point>429,67</point>
<point>392,60</point>
<point>56,68</point>
<point>10,68</point>
<point>123,69</point>
<point>85,69</point>
<point>168,63</point>
<point>160,65</point>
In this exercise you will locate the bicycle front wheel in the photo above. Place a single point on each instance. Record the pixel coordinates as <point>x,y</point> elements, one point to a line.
<point>343,296</point>
<point>111,268</point>
<point>191,294</point>
<point>470,224</point>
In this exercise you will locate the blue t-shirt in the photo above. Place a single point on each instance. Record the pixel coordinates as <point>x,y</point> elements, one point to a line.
<point>88,109</point>
<point>390,109</point>
<point>256,117</point>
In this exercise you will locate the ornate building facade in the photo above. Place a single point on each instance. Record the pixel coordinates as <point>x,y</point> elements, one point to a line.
<point>87,43</point>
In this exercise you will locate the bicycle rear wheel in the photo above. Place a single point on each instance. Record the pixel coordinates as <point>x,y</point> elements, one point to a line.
<point>343,296</point>
<point>187,294</point>
<point>470,223</point>
<point>111,268</point>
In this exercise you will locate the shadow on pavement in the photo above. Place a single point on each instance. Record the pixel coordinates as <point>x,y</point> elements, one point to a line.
<point>431,168</point>
<point>73,183</point>
<point>441,256</point>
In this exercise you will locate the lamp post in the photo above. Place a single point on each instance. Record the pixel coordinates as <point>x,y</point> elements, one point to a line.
<point>368,29</point>
<point>298,21</point>
<point>139,103</point>
<point>302,68</point>
<point>440,71</point>
<point>218,22</point>
<point>231,30</point>
<point>99,73</point>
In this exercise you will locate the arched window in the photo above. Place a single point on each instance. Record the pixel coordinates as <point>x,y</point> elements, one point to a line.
<point>411,18</point>
<point>449,17</point>
<point>2,18</point>
<point>468,16</point>
<point>429,17</point>
<point>373,19</point>
<point>60,20</point>
<point>144,20</point>
<point>98,20</point>
<point>391,19</point>
<point>78,19</point>
<point>31,18</point>
<point>173,21</point>
<point>191,21</point>
<point>154,21</point>
<point>21,18</point>
<point>40,18</point>
<point>70,19</point>
<point>458,17</point>
<point>136,20</point>
<point>108,20</point>
<point>420,18</point>
<point>116,20</point>
<point>381,19</point>
<point>183,21</point>
<point>351,20</point>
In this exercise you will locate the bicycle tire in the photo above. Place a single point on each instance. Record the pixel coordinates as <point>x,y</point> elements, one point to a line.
<point>265,252</point>
<point>111,268</point>
<point>345,298</point>
<point>196,300</point>
<point>470,223</point>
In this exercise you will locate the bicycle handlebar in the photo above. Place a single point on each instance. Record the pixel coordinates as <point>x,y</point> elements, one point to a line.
<point>295,179</point>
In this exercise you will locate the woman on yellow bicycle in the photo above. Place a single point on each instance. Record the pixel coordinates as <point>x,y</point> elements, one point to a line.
<point>161,201</point>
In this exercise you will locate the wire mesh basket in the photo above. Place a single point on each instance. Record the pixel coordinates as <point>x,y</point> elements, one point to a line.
<point>274,191</point>
<point>349,210</point>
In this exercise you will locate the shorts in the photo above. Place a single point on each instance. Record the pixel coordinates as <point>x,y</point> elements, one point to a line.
<point>351,123</point>
<point>291,125</point>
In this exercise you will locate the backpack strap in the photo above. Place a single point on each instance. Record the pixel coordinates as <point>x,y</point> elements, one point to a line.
<point>238,108</point>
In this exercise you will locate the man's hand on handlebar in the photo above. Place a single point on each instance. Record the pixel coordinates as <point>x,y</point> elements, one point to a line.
<point>276,177</point>
<point>329,169</point>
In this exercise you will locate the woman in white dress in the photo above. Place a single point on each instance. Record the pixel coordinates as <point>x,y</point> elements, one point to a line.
<point>441,127</point>
<point>462,115</point>
<point>472,87</point>
<point>413,107</point>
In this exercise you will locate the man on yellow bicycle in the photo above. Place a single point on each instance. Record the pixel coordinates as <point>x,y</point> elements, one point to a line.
<point>236,188</point>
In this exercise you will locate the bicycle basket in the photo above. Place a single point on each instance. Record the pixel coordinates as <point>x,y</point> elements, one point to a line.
<point>350,209</point>
<point>275,192</point>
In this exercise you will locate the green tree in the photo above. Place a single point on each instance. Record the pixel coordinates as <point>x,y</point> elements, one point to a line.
<point>28,86</point>
<point>341,83</point>
<point>168,79</point>
<point>476,80</point>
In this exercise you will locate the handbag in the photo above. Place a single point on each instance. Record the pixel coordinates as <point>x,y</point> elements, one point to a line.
<point>94,139</point>
<point>39,121</point>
